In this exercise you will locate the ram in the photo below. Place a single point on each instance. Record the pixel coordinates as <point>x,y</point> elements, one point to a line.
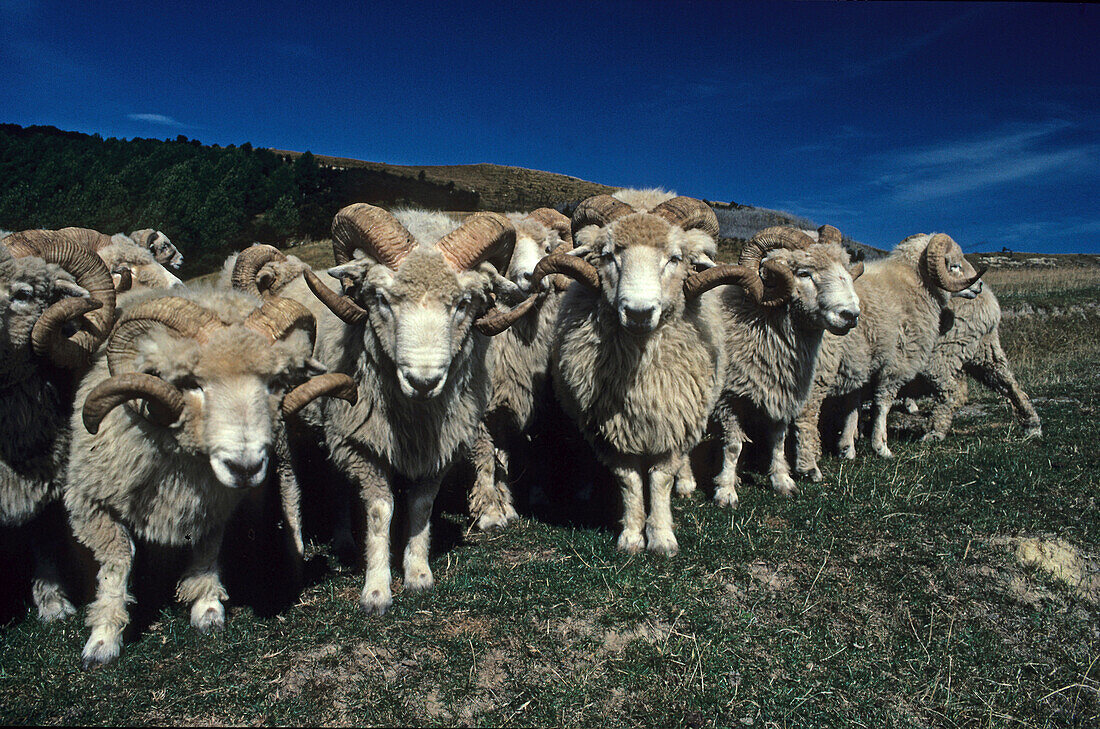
<point>413,285</point>
<point>970,344</point>
<point>519,363</point>
<point>211,373</point>
<point>794,290</point>
<point>902,298</point>
<point>638,350</point>
<point>133,266</point>
<point>49,286</point>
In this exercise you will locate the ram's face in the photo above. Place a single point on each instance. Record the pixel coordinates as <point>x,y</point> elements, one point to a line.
<point>959,267</point>
<point>26,291</point>
<point>232,386</point>
<point>147,275</point>
<point>823,290</point>
<point>163,250</point>
<point>420,315</point>
<point>643,261</point>
<point>526,254</point>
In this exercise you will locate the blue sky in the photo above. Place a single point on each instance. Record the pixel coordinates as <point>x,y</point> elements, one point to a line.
<point>980,120</point>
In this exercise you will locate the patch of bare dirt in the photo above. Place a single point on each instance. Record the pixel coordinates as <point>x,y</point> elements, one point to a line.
<point>1063,561</point>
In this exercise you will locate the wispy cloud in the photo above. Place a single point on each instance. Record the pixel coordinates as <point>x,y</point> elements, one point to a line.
<point>1053,149</point>
<point>156,119</point>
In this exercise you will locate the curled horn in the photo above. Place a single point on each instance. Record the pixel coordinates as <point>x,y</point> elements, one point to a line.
<point>341,305</point>
<point>598,210</point>
<point>47,337</point>
<point>856,270</point>
<point>89,271</point>
<point>372,230</point>
<point>689,214</point>
<point>481,237</point>
<point>278,316</point>
<point>165,402</point>
<point>182,316</point>
<point>699,283</point>
<point>496,321</point>
<point>778,236</point>
<point>246,270</point>
<point>554,220</point>
<point>331,384</point>
<point>936,266</point>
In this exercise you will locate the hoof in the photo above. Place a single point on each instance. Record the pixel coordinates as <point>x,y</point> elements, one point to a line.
<point>663,543</point>
<point>931,437</point>
<point>785,486</point>
<point>419,581</point>
<point>848,452</point>
<point>100,649</point>
<point>726,496</point>
<point>884,452</point>
<point>684,487</point>
<point>811,474</point>
<point>631,543</point>
<point>375,602</point>
<point>208,617</point>
<point>495,521</point>
<point>57,608</point>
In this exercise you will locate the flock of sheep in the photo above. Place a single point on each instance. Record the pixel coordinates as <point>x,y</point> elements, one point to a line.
<point>151,409</point>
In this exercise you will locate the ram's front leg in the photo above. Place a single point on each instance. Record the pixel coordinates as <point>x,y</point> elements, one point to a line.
<point>114,552</point>
<point>418,574</point>
<point>660,537</point>
<point>884,398</point>
<point>808,437</point>
<point>290,493</point>
<point>685,479</point>
<point>49,596</point>
<point>849,412</point>
<point>377,494</point>
<point>490,498</point>
<point>733,440</point>
<point>779,474</point>
<point>201,586</point>
<point>632,537</point>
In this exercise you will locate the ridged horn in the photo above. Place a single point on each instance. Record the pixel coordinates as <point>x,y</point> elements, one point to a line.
<point>598,210</point>
<point>278,316</point>
<point>182,316</point>
<point>165,402</point>
<point>935,265</point>
<point>340,305</point>
<point>248,265</point>
<point>47,338</point>
<point>699,283</point>
<point>829,235</point>
<point>554,220</point>
<point>777,236</point>
<point>481,237</point>
<point>689,214</point>
<point>497,320</point>
<point>372,230</point>
<point>330,384</point>
<point>90,273</point>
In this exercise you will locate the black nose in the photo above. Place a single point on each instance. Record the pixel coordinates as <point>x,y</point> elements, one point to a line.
<point>640,314</point>
<point>526,276</point>
<point>244,471</point>
<point>850,317</point>
<point>424,384</point>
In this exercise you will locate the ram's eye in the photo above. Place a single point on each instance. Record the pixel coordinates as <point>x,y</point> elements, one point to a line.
<point>462,305</point>
<point>187,382</point>
<point>22,294</point>
<point>382,300</point>
<point>675,259</point>
<point>803,273</point>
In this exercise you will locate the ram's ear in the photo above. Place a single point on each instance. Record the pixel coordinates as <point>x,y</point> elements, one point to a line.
<point>315,367</point>
<point>68,289</point>
<point>361,270</point>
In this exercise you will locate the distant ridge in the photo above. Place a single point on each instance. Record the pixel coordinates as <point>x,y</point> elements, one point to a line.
<point>502,188</point>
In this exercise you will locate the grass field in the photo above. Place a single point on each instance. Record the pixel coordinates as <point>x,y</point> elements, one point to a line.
<point>955,585</point>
